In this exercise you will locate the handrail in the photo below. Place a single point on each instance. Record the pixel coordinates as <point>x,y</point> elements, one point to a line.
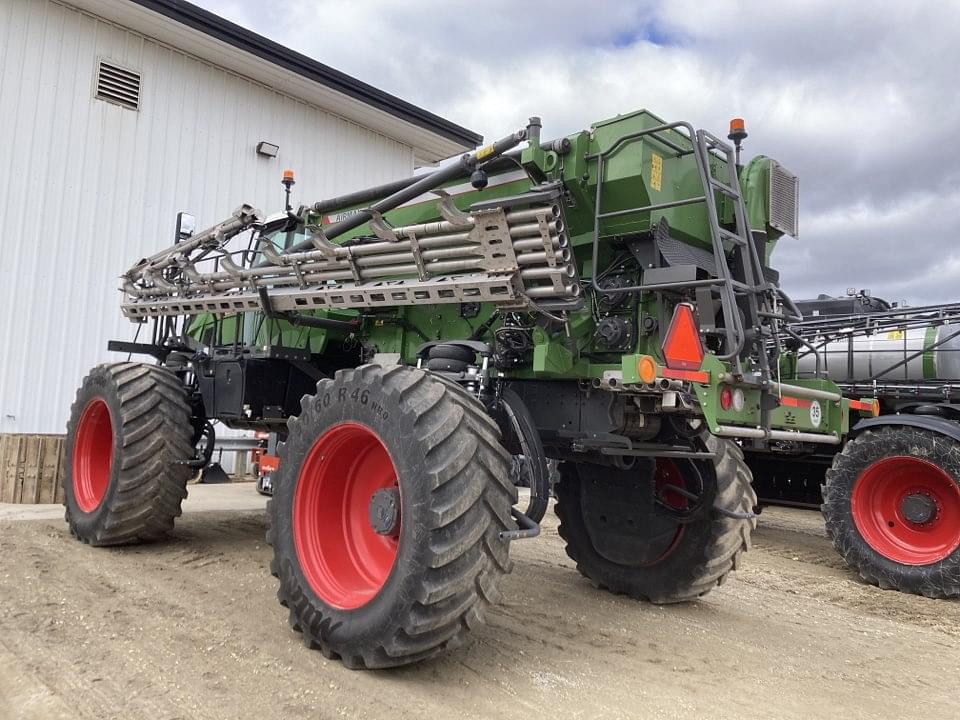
<point>735,334</point>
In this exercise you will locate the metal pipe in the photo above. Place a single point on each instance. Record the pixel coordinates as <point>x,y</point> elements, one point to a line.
<point>425,184</point>
<point>650,208</point>
<point>537,243</point>
<point>804,392</point>
<point>242,218</point>
<point>499,165</point>
<point>563,255</point>
<point>437,227</point>
<point>429,240</point>
<point>547,273</point>
<point>528,528</point>
<point>543,291</point>
<point>761,434</point>
<point>517,231</point>
<point>516,217</point>
<point>520,231</point>
<point>363,196</point>
<point>374,255</point>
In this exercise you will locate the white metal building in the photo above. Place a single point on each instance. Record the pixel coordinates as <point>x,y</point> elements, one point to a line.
<point>117,114</point>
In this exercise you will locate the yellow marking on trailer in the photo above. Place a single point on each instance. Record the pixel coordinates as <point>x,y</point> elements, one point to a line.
<point>484,152</point>
<point>656,171</point>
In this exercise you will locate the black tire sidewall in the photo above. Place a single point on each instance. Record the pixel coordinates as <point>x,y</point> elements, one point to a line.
<point>336,403</point>
<point>98,385</point>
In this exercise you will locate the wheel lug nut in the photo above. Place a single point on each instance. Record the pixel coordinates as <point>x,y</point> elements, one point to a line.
<point>384,511</point>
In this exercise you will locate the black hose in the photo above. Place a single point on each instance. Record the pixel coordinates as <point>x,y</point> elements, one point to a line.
<point>532,449</point>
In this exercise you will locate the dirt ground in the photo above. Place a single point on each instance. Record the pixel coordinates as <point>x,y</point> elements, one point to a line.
<point>191,629</point>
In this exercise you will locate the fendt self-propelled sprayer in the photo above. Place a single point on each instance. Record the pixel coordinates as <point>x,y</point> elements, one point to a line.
<point>891,498</point>
<point>603,300</point>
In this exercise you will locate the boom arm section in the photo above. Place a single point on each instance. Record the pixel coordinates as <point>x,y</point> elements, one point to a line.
<point>513,253</point>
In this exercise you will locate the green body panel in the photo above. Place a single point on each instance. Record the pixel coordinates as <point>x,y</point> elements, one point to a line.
<point>638,172</point>
<point>755,184</point>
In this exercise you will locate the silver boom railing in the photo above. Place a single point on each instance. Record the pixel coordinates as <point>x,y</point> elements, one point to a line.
<point>513,255</point>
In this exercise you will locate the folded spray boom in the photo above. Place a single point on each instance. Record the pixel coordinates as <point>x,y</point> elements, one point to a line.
<point>511,254</point>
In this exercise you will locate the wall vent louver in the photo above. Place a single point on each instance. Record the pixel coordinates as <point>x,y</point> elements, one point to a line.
<point>118,85</point>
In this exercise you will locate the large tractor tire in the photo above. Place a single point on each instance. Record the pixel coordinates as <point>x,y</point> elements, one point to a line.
<point>892,507</point>
<point>386,516</point>
<point>624,540</point>
<point>128,437</point>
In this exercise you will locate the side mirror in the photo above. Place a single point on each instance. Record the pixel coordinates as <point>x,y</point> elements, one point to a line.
<point>186,226</point>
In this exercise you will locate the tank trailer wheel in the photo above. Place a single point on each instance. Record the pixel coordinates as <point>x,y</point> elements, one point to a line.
<point>388,503</point>
<point>892,507</point>
<point>128,437</point>
<point>622,540</point>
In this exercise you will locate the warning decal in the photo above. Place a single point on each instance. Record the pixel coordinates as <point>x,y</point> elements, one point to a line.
<point>656,171</point>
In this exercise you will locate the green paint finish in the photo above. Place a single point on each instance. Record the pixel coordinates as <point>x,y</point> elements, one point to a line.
<point>628,369</point>
<point>639,172</point>
<point>552,358</point>
<point>755,187</point>
<point>646,171</point>
<point>709,395</point>
<point>929,361</point>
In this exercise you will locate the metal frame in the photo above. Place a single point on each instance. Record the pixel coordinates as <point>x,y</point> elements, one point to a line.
<point>817,333</point>
<point>703,144</point>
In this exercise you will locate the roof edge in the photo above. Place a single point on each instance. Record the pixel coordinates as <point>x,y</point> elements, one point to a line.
<point>239,37</point>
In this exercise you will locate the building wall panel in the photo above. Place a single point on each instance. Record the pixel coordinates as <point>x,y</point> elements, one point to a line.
<point>88,187</point>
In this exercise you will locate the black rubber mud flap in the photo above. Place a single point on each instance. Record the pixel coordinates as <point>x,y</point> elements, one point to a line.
<point>622,542</point>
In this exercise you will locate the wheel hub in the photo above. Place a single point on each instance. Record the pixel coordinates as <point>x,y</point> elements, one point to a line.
<point>918,508</point>
<point>907,509</point>
<point>384,511</point>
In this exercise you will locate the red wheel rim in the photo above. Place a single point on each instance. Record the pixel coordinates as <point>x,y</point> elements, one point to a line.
<point>878,508</point>
<point>343,559</point>
<point>667,473</point>
<point>92,455</point>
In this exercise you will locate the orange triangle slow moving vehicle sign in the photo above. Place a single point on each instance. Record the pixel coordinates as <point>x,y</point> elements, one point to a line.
<point>682,349</point>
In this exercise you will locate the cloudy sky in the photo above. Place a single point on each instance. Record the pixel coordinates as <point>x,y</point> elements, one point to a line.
<point>859,99</point>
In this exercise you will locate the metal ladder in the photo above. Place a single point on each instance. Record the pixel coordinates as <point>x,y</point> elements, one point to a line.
<point>753,286</point>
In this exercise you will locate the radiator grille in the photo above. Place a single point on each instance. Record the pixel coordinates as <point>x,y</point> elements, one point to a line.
<point>784,200</point>
<point>118,85</point>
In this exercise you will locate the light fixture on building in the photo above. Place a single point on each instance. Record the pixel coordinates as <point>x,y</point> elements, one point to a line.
<point>267,149</point>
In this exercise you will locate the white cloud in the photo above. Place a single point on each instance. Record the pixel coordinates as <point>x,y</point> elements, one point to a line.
<point>857,98</point>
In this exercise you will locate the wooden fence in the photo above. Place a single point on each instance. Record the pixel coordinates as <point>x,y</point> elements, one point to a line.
<point>31,468</point>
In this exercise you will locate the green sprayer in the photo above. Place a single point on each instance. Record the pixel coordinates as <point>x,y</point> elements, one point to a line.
<point>603,300</point>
